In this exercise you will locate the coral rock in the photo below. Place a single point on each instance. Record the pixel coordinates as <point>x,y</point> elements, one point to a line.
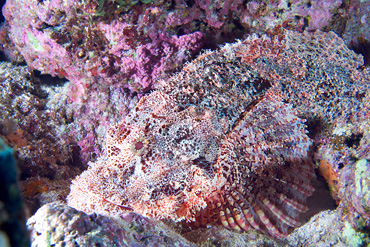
<point>56,224</point>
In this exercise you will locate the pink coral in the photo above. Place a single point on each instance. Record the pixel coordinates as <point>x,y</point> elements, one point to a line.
<point>345,150</point>
<point>318,13</point>
<point>59,39</point>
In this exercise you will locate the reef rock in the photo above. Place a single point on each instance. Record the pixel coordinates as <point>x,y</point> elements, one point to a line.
<point>56,224</point>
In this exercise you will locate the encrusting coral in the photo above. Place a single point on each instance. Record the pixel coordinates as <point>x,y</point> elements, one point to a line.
<point>221,141</point>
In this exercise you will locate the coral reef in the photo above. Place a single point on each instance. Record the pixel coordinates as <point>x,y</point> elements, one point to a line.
<point>29,127</point>
<point>345,153</point>
<point>24,117</point>
<point>12,211</point>
<point>125,47</point>
<point>132,43</point>
<point>53,138</point>
<point>86,121</point>
<point>327,228</point>
<point>56,224</point>
<point>89,42</point>
<point>355,32</point>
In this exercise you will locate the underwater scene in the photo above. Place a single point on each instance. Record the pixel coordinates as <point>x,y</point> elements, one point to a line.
<point>185,123</point>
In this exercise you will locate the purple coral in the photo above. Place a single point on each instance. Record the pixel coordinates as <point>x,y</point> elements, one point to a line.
<point>317,13</point>
<point>346,152</point>
<point>50,38</point>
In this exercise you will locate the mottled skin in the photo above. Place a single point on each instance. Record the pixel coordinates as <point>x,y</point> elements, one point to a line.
<point>167,162</point>
<point>217,142</point>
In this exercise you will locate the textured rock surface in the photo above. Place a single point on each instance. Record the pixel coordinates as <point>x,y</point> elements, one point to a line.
<point>61,225</point>
<point>91,42</point>
<point>343,156</point>
<point>52,137</point>
<point>56,224</point>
